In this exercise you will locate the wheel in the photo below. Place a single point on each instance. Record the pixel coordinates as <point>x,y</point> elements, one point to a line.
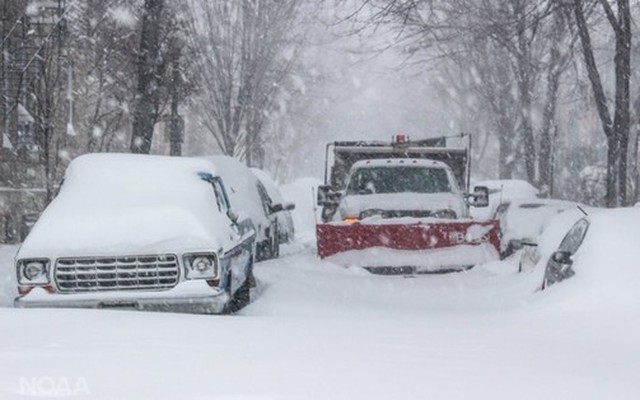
<point>263,250</point>
<point>242,297</point>
<point>275,249</point>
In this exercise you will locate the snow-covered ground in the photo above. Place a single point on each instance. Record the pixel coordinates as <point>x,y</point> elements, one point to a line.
<point>318,331</point>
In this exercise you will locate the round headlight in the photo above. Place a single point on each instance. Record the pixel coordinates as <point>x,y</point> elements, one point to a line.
<point>444,214</point>
<point>34,270</point>
<point>202,264</point>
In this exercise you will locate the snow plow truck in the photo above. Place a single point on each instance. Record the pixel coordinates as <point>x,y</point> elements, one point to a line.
<point>402,207</point>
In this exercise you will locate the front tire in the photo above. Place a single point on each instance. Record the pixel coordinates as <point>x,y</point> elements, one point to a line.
<point>275,250</point>
<point>242,296</point>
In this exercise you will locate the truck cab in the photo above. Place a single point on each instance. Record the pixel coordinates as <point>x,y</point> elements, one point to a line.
<point>399,188</point>
<point>402,202</point>
<point>422,178</point>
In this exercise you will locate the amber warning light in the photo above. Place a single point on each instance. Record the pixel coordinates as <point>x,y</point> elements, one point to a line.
<point>401,138</point>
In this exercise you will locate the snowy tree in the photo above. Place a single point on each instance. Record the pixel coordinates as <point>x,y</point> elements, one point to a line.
<point>149,73</point>
<point>244,58</point>
<point>616,128</point>
<point>103,34</point>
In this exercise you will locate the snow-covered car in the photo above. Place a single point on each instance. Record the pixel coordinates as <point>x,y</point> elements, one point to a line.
<point>503,191</point>
<point>286,230</point>
<point>250,198</point>
<point>138,232</point>
<point>523,220</point>
<point>601,246</point>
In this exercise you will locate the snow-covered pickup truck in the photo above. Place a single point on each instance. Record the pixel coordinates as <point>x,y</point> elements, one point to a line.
<point>138,232</point>
<point>400,208</point>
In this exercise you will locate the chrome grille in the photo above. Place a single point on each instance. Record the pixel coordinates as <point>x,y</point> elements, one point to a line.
<point>90,274</point>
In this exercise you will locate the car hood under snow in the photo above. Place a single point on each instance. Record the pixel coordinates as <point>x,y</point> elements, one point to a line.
<point>116,204</point>
<point>353,205</point>
<point>125,232</point>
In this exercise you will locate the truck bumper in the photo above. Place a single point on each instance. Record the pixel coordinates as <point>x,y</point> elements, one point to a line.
<point>387,261</point>
<point>204,300</point>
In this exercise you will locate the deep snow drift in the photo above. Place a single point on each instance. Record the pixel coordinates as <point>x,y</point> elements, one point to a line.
<point>316,331</point>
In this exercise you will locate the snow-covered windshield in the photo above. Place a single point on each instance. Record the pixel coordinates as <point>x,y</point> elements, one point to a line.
<point>398,180</point>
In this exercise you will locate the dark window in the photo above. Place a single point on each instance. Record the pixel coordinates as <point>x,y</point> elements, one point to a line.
<point>264,198</point>
<point>221,195</point>
<point>399,180</point>
<point>573,239</point>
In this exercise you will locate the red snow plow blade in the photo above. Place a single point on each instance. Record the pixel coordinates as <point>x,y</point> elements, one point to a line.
<point>337,238</point>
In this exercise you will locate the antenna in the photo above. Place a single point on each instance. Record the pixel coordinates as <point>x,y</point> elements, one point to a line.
<point>583,211</point>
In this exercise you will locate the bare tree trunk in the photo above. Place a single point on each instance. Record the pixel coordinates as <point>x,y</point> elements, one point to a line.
<point>601,103</point>
<point>147,96</point>
<point>525,87</point>
<point>176,125</point>
<point>636,167</point>
<point>554,71</point>
<point>622,116</point>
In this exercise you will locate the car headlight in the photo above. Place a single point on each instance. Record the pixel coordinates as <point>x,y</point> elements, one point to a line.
<point>33,272</point>
<point>201,265</point>
<point>371,213</point>
<point>444,214</point>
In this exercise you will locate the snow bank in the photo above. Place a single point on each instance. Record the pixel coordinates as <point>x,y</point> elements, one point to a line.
<point>606,264</point>
<point>319,331</point>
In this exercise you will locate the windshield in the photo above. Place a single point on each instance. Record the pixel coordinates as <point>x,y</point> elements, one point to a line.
<point>398,180</point>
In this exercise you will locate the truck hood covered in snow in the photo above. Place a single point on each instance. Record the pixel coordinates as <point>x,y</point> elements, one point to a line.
<point>127,204</point>
<point>354,205</point>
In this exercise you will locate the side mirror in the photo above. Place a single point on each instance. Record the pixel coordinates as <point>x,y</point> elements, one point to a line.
<point>480,197</point>
<point>232,216</point>
<point>518,244</point>
<point>274,208</point>
<point>327,196</point>
<point>289,206</point>
<point>515,244</point>
<point>562,257</point>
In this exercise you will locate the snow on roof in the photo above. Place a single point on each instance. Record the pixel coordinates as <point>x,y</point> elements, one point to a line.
<point>127,203</point>
<point>525,218</point>
<point>502,191</point>
<point>145,173</point>
<point>269,184</point>
<point>611,244</point>
<point>510,188</point>
<point>393,162</point>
